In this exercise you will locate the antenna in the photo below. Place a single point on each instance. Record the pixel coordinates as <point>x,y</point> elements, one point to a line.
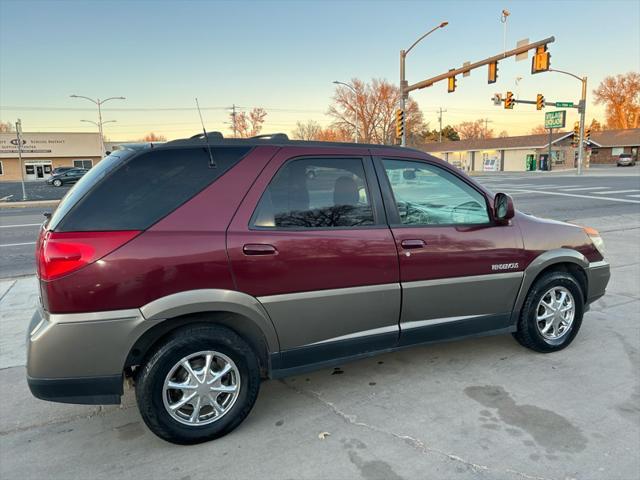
<point>212,162</point>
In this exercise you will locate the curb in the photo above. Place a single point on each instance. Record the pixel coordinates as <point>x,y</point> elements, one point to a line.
<point>31,203</point>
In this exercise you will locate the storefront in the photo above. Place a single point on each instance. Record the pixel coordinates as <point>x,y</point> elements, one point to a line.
<point>44,152</point>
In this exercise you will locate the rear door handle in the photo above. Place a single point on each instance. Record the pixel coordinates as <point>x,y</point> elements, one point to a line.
<point>259,249</point>
<point>410,244</point>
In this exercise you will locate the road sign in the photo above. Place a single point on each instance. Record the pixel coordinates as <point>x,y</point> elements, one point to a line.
<point>555,119</point>
<point>564,104</point>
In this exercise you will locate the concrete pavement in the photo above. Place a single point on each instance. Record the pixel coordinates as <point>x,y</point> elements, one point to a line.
<point>483,408</point>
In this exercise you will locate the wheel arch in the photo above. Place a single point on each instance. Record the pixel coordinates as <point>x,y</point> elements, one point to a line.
<point>237,311</point>
<point>562,259</point>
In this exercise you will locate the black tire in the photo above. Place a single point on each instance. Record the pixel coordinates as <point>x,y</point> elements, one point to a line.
<point>57,183</point>
<point>528,334</point>
<point>184,342</point>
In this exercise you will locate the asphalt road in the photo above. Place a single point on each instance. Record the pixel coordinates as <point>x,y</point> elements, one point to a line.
<point>567,197</point>
<point>12,191</point>
<point>479,409</point>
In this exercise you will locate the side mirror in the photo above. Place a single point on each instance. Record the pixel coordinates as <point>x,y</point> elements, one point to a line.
<point>503,207</point>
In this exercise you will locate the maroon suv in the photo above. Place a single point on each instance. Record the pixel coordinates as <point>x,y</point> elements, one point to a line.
<point>201,266</point>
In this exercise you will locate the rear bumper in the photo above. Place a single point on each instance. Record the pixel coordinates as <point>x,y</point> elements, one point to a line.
<point>105,390</point>
<point>598,275</point>
<point>79,358</point>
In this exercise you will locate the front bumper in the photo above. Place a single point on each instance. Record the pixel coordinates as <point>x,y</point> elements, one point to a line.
<point>79,358</point>
<point>598,275</point>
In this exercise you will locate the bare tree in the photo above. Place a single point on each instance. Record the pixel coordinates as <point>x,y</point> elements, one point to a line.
<point>152,137</point>
<point>621,97</point>
<point>473,130</point>
<point>248,124</point>
<point>538,130</point>
<point>503,134</point>
<point>6,127</point>
<point>375,104</point>
<point>309,130</point>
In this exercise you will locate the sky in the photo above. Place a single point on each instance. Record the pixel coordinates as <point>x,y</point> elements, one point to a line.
<point>284,55</point>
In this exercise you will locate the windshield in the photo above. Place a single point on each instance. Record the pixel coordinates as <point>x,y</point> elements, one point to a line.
<point>80,189</point>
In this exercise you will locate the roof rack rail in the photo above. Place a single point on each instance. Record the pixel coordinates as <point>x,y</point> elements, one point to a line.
<point>278,137</point>
<point>211,135</point>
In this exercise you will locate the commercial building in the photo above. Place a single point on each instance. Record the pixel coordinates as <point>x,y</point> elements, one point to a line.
<point>42,152</point>
<point>531,152</point>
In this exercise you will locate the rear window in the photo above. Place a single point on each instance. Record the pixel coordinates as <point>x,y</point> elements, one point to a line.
<point>132,191</point>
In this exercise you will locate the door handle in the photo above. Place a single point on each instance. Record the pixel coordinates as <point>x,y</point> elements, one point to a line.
<point>259,249</point>
<point>410,244</point>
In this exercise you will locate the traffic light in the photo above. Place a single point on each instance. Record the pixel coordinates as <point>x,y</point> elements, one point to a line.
<point>399,122</point>
<point>540,102</point>
<point>541,60</point>
<point>576,133</point>
<point>451,84</point>
<point>587,134</point>
<point>508,101</point>
<point>493,72</point>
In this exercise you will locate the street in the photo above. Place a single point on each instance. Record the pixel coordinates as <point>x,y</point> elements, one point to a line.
<point>476,409</point>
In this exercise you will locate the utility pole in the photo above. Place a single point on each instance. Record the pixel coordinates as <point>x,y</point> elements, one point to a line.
<point>19,136</point>
<point>233,120</point>
<point>486,127</point>
<point>440,121</point>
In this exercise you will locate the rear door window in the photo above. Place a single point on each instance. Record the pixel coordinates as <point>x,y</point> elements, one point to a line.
<point>134,191</point>
<point>316,193</point>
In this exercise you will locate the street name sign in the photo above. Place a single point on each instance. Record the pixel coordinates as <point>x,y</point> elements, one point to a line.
<point>555,119</point>
<point>564,104</point>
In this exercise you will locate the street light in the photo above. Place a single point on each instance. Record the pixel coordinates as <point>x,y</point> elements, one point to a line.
<point>403,82</point>
<point>581,109</point>
<point>99,103</point>
<point>352,88</point>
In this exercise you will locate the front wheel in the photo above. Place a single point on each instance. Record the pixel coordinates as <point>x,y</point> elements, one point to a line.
<point>57,183</point>
<point>552,313</point>
<point>198,385</point>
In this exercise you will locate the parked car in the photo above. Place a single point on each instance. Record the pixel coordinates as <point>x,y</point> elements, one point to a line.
<point>66,177</point>
<point>230,264</point>
<point>59,170</point>
<point>625,160</point>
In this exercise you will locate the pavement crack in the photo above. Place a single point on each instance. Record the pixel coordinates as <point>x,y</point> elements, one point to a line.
<point>8,290</point>
<point>415,443</point>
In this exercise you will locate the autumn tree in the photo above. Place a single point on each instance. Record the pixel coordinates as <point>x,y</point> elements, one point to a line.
<point>247,125</point>
<point>539,130</point>
<point>374,104</point>
<point>474,130</point>
<point>595,126</point>
<point>6,127</point>
<point>621,97</point>
<point>152,137</point>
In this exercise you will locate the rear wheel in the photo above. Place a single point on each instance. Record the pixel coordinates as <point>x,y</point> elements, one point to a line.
<point>57,183</point>
<point>198,385</point>
<point>552,313</point>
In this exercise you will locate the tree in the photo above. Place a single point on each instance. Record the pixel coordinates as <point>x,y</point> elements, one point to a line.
<point>473,130</point>
<point>309,130</point>
<point>539,130</point>
<point>503,134</point>
<point>448,134</point>
<point>595,126</point>
<point>248,125</point>
<point>6,127</point>
<point>152,137</point>
<point>375,104</point>
<point>621,97</point>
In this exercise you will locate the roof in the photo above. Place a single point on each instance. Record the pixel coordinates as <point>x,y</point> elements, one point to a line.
<point>606,138</point>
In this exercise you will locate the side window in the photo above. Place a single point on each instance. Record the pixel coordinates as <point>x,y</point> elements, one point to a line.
<point>316,193</point>
<point>428,195</point>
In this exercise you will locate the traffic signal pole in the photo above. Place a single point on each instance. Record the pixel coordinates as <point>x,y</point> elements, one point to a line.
<point>404,94</point>
<point>583,108</point>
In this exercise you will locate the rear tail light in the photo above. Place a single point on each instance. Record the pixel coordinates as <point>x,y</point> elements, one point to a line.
<point>61,253</point>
